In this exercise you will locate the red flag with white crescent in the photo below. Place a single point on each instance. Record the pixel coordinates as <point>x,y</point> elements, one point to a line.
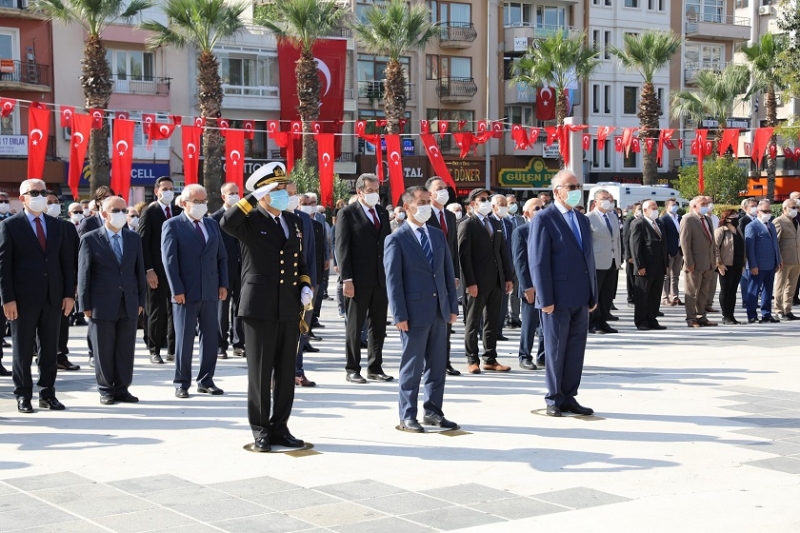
<point>66,113</point>
<point>520,138</point>
<point>586,141</point>
<point>602,134</point>
<point>325,155</point>
<point>627,139</point>
<point>234,157</point>
<point>147,120</point>
<point>316,127</point>
<point>424,126</point>
<point>38,131</point>
<point>773,151</point>
<point>708,147</point>
<point>553,133</point>
<point>190,135</point>
<point>497,130</point>
<point>160,132</point>
<point>533,135</point>
<point>664,139</point>
<point>461,124</point>
<point>649,143</point>
<point>545,104</point>
<point>730,139</point>
<point>437,161</point>
<point>797,153</point>
<point>361,128</point>
<point>176,119</point>
<point>273,126</point>
<point>249,127</point>
<point>81,126</point>
<point>636,145</point>
<point>97,119</point>
<point>618,144</point>
<point>788,153</point>
<point>760,141</point>
<point>395,161</point>
<point>7,106</point>
<point>199,122</point>
<point>122,157</point>
<point>444,126</point>
<point>122,114</point>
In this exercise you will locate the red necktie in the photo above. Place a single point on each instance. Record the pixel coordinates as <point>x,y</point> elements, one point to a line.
<point>40,234</point>
<point>169,215</point>
<point>705,228</point>
<point>442,223</point>
<point>375,219</point>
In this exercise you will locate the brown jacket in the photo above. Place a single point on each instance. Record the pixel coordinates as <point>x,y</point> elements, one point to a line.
<point>696,243</point>
<point>723,246</point>
<point>788,240</point>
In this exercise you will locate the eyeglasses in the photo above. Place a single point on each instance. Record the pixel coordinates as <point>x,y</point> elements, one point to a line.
<point>482,200</point>
<point>118,210</point>
<point>538,208</point>
<point>570,187</point>
<point>4,202</point>
<point>77,212</point>
<point>34,194</point>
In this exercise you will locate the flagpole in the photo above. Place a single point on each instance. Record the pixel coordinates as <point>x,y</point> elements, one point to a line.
<point>488,88</point>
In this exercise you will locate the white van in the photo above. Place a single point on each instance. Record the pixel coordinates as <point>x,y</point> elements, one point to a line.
<point>627,194</point>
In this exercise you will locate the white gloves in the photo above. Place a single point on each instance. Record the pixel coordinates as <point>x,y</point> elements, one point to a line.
<point>306,295</point>
<point>261,192</point>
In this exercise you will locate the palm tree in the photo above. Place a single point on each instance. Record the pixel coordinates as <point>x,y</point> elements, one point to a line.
<point>647,53</point>
<point>302,23</point>
<point>764,66</point>
<point>392,30</point>
<point>202,24</point>
<point>94,16</point>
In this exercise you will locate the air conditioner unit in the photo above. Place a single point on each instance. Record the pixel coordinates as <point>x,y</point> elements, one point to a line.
<point>766,10</point>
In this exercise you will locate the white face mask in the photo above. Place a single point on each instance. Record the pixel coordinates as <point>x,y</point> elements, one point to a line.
<point>502,211</point>
<point>607,205</point>
<point>5,208</point>
<point>753,211</point>
<point>400,216</point>
<point>371,199</point>
<point>711,207</point>
<point>167,197</point>
<point>485,208</point>
<point>198,211</point>
<point>134,222</point>
<point>54,210</point>
<point>764,217</point>
<point>458,214</point>
<point>309,209</point>
<point>76,218</point>
<point>652,215</point>
<point>118,220</point>
<point>637,214</point>
<point>792,213</point>
<point>231,199</point>
<point>673,208</point>
<point>423,213</point>
<point>294,201</point>
<point>38,204</point>
<point>442,196</point>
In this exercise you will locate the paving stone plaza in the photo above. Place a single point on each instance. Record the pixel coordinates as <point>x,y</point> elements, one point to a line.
<point>695,430</point>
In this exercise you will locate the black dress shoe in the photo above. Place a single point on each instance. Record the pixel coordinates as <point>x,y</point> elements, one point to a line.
<point>6,344</point>
<point>156,359</point>
<point>439,421</point>
<point>170,357</point>
<point>452,371</point>
<point>612,318</point>
<point>527,364</point>
<point>180,392</point>
<point>238,352</point>
<point>81,322</point>
<point>287,441</point>
<point>210,389</point>
<point>379,377</point>
<point>107,399</point>
<point>411,426</point>
<point>222,355</point>
<point>502,338</point>
<point>313,337</point>
<point>51,403</point>
<point>791,316</point>
<point>553,410</point>
<point>752,320</point>
<point>608,329</point>
<point>769,319</point>
<point>614,307</point>
<point>355,377</point>
<point>596,331</point>
<point>642,328</point>
<point>572,406</point>
<point>126,397</point>
<point>4,371</point>
<point>310,349</point>
<point>316,324</point>
<point>730,321</point>
<point>657,326</point>
<point>24,405</point>
<point>364,344</point>
<point>65,364</point>
<point>659,313</point>
<point>262,445</point>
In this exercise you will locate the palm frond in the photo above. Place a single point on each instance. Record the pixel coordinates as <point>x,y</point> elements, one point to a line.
<point>201,23</point>
<point>303,22</point>
<point>395,28</point>
<point>647,52</point>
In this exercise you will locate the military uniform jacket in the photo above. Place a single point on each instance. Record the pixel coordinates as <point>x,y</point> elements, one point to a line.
<point>273,272</point>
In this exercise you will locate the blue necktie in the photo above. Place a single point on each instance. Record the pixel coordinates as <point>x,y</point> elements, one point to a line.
<point>575,230</point>
<point>608,223</point>
<point>426,246</point>
<point>117,247</point>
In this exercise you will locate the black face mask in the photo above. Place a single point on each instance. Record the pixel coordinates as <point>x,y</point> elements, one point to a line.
<point>733,220</point>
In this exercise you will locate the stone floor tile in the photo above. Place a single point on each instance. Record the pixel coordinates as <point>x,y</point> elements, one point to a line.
<point>49,481</point>
<point>78,493</point>
<point>33,517</point>
<point>193,528</point>
<point>7,489</point>
<point>17,501</point>
<point>769,433</point>
<point>196,494</point>
<point>77,526</point>
<point>468,493</point>
<point>293,499</point>
<point>405,503</point>
<point>383,525</point>
<point>451,518</point>
<point>334,514</point>
<point>789,465</point>
<point>142,521</point>
<point>776,447</point>
<point>253,486</point>
<point>755,408</point>
<point>518,508</point>
<point>266,523</point>
<point>143,485</point>
<point>220,510</point>
<point>360,490</point>
<point>580,497</point>
<point>784,404</point>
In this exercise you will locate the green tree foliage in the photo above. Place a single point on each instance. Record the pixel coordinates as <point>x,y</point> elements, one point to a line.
<point>723,179</point>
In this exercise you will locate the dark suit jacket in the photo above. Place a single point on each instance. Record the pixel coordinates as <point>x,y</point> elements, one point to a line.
<point>452,236</point>
<point>744,220</point>
<point>71,234</point>
<point>626,238</point>
<point>563,273</point>
<point>319,248</point>
<point>103,282</point>
<point>485,262</point>
<point>649,251</point>
<point>672,236</point>
<point>89,224</point>
<point>359,246</point>
<point>519,248</point>
<point>30,276</point>
<point>151,220</point>
<point>507,226</point>
<point>232,249</point>
<point>195,267</point>
<point>308,244</point>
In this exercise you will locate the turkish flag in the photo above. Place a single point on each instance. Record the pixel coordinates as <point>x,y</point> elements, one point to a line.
<point>545,104</point>
<point>497,130</point>
<point>664,139</point>
<point>66,117</point>
<point>627,139</point>
<point>325,155</point>
<point>200,122</point>
<point>122,157</point>
<point>461,124</point>
<point>649,143</point>
<point>680,144</point>
<point>403,123</point>
<point>533,135</point>
<point>380,123</point>
<point>465,140</point>
<point>122,114</point>
<point>249,127</point>
<point>708,148</point>
<point>38,130</point>
<point>7,106</point>
<point>553,134</point>
<point>519,137</point>
<point>788,153</point>
<point>564,135</point>
<point>147,120</point>
<point>97,119</point>
<point>773,151</point>
<point>176,119</point>
<point>316,127</point>
<point>234,157</point>
<point>760,140</point>
<point>361,127</point>
<point>284,139</point>
<point>602,134</point>
<point>190,135</point>
<point>699,149</point>
<point>435,157</point>
<point>636,145</point>
<point>273,126</point>
<point>159,132</point>
<point>586,141</point>
<point>424,126</point>
<point>81,126</point>
<point>797,153</point>
<point>730,139</point>
<point>396,179</point>
<point>443,127</point>
<point>618,144</point>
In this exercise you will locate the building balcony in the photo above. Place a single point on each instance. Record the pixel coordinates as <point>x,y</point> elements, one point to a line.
<point>19,9</point>
<point>519,37</point>
<point>691,70</point>
<point>519,93</point>
<point>18,76</point>
<point>716,27</point>
<point>150,85</point>
<point>456,90</point>
<point>456,35</point>
<point>373,90</point>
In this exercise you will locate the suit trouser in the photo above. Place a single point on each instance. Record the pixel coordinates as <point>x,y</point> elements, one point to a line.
<point>340,300</point>
<point>422,355</point>
<point>487,306</point>
<point>606,285</point>
<point>565,332</point>
<point>712,289</point>
<point>326,276</point>
<point>647,299</point>
<point>115,342</point>
<point>695,299</point>
<point>188,317</point>
<point>530,323</point>
<point>2,333</point>
<point>762,282</point>
<point>370,303</point>
<point>160,326</point>
<point>674,267</point>
<point>727,290</point>
<point>629,281</point>
<point>743,286</point>
<point>230,325</point>
<point>63,336</point>
<point>501,317</point>
<point>46,321</point>
<point>308,316</point>
<point>516,306</point>
<point>785,285</point>
<point>270,347</point>
<point>318,297</point>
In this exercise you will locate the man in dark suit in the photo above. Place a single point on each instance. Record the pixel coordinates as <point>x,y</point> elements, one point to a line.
<point>446,221</point>
<point>112,290</point>
<point>671,222</point>
<point>5,213</point>
<point>420,282</point>
<point>626,252</point>
<point>500,215</point>
<point>230,325</point>
<point>649,252</point>
<point>763,260</point>
<point>276,288</point>
<point>527,292</point>
<point>361,229</point>
<point>196,265</point>
<point>485,272</point>
<point>37,286</point>
<point>160,327</point>
<point>563,272</point>
<point>749,214</point>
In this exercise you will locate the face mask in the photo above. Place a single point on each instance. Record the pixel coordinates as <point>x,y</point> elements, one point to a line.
<point>400,216</point>
<point>372,198</point>
<point>607,205</point>
<point>38,204</point>
<point>167,197</point>
<point>753,211</point>
<point>711,207</point>
<point>76,218</point>
<point>512,208</point>
<point>764,217</point>
<point>5,208</point>
<point>573,198</point>
<point>792,213</point>
<point>637,214</point>
<point>485,208</point>
<point>502,212</point>
<point>458,214</point>
<point>134,222</point>
<point>309,209</point>
<point>442,196</point>
<point>734,221</point>
<point>423,213</point>
<point>279,200</point>
<point>118,220</point>
<point>673,209</point>
<point>54,210</point>
<point>652,215</point>
<point>703,210</point>
<point>231,199</point>
<point>294,201</point>
<point>198,211</point>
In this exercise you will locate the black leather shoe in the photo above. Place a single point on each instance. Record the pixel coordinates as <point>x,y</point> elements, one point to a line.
<point>316,324</point>
<point>107,399</point>
<point>608,329</point>
<point>238,352</point>
<point>439,421</point>
<point>287,441</point>
<point>452,371</point>
<point>313,337</point>
<point>222,355</point>
<point>572,406</point>
<point>540,361</point>
<point>310,349</point>
<point>355,377</point>
<point>51,403</point>
<point>596,331</point>
<point>614,307</point>
<point>262,445</point>
<point>24,405</point>
<point>642,328</point>
<point>502,338</point>
<point>4,371</point>
<point>65,364</point>
<point>81,322</point>
<point>180,392</point>
<point>791,316</point>
<point>170,357</point>
<point>752,320</point>
<point>659,313</point>
<point>612,318</point>
<point>769,319</point>
<point>553,410</point>
<point>379,377</point>
<point>527,364</point>
<point>126,397</point>
<point>156,359</point>
<point>210,389</point>
<point>410,425</point>
<point>730,321</point>
<point>364,344</point>
<point>657,326</point>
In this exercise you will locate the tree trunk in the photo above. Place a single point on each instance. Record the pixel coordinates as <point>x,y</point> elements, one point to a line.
<point>649,111</point>
<point>772,120</point>
<point>210,97</point>
<point>308,96</point>
<point>561,114</point>
<point>97,84</point>
<point>395,97</point>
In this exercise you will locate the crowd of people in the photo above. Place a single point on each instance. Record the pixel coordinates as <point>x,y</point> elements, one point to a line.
<point>252,276</point>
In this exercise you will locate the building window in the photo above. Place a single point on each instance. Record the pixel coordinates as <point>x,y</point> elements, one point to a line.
<point>607,99</point>
<point>135,65</point>
<point>446,142</point>
<point>702,57</point>
<point>655,5</point>
<point>451,12</point>
<point>371,72</point>
<point>437,67</point>
<point>595,98</point>
<point>595,154</point>
<point>631,160</point>
<point>608,3</point>
<point>606,45</point>
<point>630,100</point>
<point>249,74</point>
<point>551,17</point>
<point>521,114</point>
<point>607,154</point>
<point>705,10</point>
<point>9,43</point>
<point>517,14</point>
<point>9,124</point>
<point>660,96</point>
<point>742,3</point>
<point>631,3</point>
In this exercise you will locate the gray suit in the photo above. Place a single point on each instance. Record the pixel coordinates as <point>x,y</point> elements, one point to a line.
<point>608,259</point>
